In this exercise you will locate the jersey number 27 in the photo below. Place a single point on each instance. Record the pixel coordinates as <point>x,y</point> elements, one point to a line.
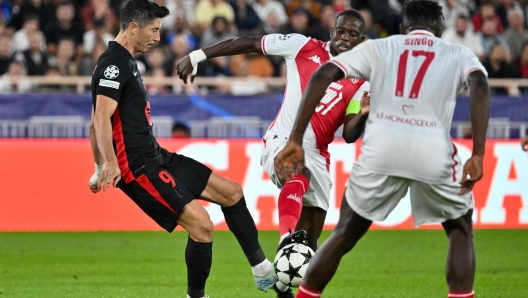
<point>402,71</point>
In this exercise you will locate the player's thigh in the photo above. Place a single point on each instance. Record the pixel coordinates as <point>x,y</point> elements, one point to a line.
<point>318,194</point>
<point>203,183</point>
<point>272,145</point>
<point>373,196</point>
<point>160,195</point>
<point>222,191</point>
<point>436,203</point>
<point>192,173</point>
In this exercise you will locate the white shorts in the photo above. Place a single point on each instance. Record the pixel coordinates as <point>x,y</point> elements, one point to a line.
<point>374,196</point>
<point>320,182</point>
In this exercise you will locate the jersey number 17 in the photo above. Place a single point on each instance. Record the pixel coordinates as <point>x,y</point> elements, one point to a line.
<point>402,72</point>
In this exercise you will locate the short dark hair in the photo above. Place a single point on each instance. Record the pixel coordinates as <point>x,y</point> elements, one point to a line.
<point>422,12</point>
<point>352,13</point>
<point>142,12</point>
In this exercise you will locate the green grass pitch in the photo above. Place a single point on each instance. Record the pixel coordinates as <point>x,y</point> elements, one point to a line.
<point>151,264</point>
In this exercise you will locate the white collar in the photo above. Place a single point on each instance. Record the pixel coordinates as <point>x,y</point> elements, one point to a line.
<point>421,32</point>
<point>327,48</point>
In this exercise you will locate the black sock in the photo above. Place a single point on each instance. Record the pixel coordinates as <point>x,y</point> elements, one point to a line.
<point>241,224</point>
<point>198,257</point>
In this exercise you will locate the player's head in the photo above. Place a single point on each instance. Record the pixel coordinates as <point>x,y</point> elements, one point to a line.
<point>142,20</point>
<point>347,31</point>
<point>422,14</point>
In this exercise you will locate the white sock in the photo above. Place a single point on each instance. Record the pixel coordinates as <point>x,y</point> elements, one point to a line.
<point>262,269</point>
<point>190,296</point>
<point>283,236</point>
<point>282,287</point>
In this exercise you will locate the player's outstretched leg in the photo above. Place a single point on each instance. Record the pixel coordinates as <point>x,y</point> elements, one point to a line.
<point>231,197</point>
<point>460,269</point>
<point>350,228</point>
<point>290,202</point>
<point>198,253</point>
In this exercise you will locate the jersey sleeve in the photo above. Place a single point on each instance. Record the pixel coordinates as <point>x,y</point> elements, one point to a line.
<point>354,105</point>
<point>356,63</point>
<point>468,62</point>
<point>286,46</point>
<point>111,76</point>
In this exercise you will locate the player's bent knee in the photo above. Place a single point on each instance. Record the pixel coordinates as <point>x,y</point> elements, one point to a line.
<point>202,231</point>
<point>235,195</point>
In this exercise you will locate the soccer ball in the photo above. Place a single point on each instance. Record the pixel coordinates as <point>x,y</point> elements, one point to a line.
<point>291,263</point>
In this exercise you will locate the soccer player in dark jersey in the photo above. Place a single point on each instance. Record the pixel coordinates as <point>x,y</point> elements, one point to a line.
<point>163,184</point>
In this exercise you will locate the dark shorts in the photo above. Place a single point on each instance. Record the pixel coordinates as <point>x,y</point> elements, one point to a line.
<point>164,185</point>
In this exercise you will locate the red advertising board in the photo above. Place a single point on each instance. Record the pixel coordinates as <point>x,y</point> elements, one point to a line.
<point>44,186</point>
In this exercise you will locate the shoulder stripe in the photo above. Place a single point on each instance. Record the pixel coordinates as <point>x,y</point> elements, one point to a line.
<point>263,45</point>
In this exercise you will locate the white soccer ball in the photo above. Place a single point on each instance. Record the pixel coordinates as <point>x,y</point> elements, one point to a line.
<point>291,263</point>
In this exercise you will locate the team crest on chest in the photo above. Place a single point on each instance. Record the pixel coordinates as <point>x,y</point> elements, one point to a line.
<point>315,59</point>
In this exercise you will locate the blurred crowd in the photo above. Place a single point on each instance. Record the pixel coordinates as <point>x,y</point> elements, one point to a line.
<point>55,38</point>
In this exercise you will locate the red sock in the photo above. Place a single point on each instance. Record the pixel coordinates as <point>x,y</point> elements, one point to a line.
<point>290,203</point>
<point>468,294</point>
<point>307,293</point>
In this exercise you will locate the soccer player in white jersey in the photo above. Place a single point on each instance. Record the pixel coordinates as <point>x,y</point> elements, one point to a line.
<point>303,200</point>
<point>415,78</point>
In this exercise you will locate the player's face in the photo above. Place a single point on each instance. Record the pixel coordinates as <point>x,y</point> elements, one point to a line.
<point>148,36</point>
<point>346,34</point>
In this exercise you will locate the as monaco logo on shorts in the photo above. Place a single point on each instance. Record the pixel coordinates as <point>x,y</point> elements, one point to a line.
<point>111,72</point>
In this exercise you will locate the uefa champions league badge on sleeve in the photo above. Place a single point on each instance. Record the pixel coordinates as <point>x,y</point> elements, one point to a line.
<point>111,72</point>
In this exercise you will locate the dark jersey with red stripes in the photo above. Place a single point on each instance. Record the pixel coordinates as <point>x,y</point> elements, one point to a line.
<point>116,75</point>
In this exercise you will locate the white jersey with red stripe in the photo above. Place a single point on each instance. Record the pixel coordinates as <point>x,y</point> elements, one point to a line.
<point>303,56</point>
<point>415,79</point>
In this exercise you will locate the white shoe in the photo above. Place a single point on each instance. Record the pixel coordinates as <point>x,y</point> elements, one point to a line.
<point>266,282</point>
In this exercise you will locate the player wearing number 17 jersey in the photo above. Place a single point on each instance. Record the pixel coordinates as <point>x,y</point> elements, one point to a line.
<point>414,78</point>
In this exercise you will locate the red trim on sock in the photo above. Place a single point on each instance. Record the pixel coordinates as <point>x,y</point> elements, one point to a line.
<point>290,203</point>
<point>467,294</point>
<point>307,293</point>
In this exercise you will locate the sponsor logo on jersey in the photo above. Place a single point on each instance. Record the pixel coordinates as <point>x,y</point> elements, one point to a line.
<point>316,59</point>
<point>108,83</point>
<point>294,197</point>
<point>111,72</point>
<point>354,81</point>
<point>285,37</point>
<point>407,108</point>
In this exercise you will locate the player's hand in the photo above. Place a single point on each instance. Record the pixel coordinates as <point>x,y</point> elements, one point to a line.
<point>95,183</point>
<point>524,143</point>
<point>289,161</point>
<point>365,103</point>
<point>110,173</point>
<point>471,174</point>
<point>185,69</point>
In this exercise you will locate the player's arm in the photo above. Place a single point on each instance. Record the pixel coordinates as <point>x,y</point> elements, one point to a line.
<point>357,114</point>
<point>479,100</point>
<point>98,159</point>
<point>236,46</point>
<point>105,108</point>
<point>313,94</point>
